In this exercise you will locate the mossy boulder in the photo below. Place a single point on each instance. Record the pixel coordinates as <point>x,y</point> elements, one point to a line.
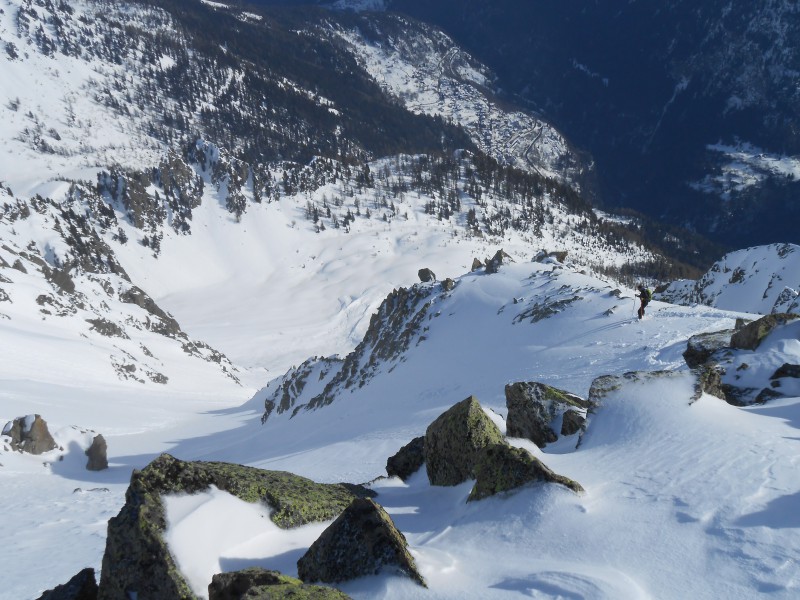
<point>408,459</point>
<point>256,583</point>
<point>136,557</point>
<point>534,410</point>
<point>453,440</point>
<point>501,468</point>
<point>751,335</point>
<point>361,541</point>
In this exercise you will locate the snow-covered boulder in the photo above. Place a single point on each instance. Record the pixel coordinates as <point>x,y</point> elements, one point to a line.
<point>501,468</point>
<point>454,440</point>
<point>362,541</point>
<point>538,412</point>
<point>30,434</point>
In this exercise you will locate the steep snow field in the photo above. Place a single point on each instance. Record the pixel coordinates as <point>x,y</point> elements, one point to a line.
<point>682,500</point>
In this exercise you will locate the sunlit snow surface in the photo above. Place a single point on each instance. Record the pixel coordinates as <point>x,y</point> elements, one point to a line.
<point>681,501</point>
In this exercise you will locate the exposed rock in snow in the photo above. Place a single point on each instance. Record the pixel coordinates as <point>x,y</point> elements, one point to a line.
<point>30,434</point>
<point>537,412</point>
<point>363,540</point>
<point>501,468</point>
<point>256,582</point>
<point>454,440</point>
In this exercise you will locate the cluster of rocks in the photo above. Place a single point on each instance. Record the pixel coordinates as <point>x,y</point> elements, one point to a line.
<point>31,434</point>
<point>711,357</point>
<point>463,443</point>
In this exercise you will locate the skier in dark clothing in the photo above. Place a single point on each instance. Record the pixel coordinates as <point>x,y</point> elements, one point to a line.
<point>644,296</point>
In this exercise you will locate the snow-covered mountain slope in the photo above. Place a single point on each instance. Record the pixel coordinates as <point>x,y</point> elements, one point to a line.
<point>430,74</point>
<point>690,111</point>
<point>153,279</point>
<point>763,279</point>
<point>663,491</point>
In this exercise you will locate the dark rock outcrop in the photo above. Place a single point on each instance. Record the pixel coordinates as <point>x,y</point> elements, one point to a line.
<point>544,256</point>
<point>361,541</point>
<point>256,583</point>
<point>500,258</point>
<point>750,336</point>
<point>453,440</point>
<point>700,348</point>
<point>82,586</point>
<point>787,370</point>
<point>534,408</point>
<point>166,324</point>
<point>708,380</point>
<point>98,454</point>
<point>408,459</point>
<point>448,285</point>
<point>426,275</point>
<point>572,422</point>
<point>30,434</point>
<point>501,468</point>
<point>477,264</point>
<point>137,560</point>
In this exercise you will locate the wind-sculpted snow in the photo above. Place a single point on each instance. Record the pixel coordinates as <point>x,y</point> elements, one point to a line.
<point>763,279</point>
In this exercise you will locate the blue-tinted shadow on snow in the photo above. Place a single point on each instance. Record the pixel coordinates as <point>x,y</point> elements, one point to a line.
<point>786,409</point>
<point>780,513</point>
<point>72,465</point>
<point>286,563</point>
<point>543,583</point>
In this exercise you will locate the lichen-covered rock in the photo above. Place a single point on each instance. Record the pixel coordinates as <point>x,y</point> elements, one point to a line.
<point>700,348</point>
<point>426,275</point>
<point>256,583</point>
<point>361,541</point>
<point>751,335</point>
<point>98,454</point>
<point>448,285</point>
<point>136,557</point>
<point>534,409</point>
<point>408,459</point>
<point>453,440</point>
<point>30,434</point>
<point>82,586</point>
<point>501,468</point>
